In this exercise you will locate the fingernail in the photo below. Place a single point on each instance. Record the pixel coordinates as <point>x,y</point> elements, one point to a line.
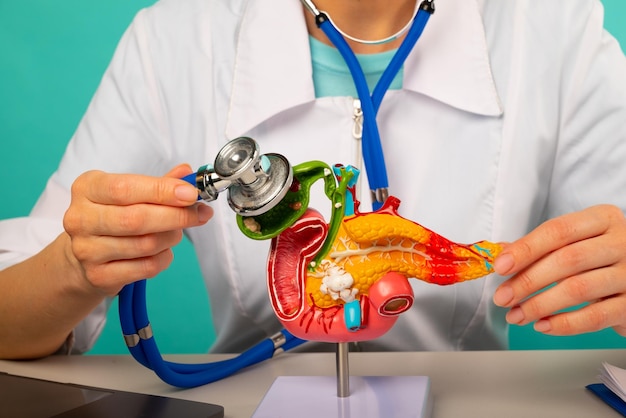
<point>543,325</point>
<point>503,296</point>
<point>204,213</point>
<point>515,316</point>
<point>186,193</point>
<point>503,264</point>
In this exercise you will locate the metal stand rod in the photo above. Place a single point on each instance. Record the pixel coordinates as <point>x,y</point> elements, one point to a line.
<point>343,371</point>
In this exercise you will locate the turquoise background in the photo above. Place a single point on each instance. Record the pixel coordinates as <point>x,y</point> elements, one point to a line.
<point>52,55</point>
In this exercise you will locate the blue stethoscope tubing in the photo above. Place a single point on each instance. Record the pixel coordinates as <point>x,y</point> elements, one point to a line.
<point>134,322</point>
<point>133,311</point>
<point>373,155</point>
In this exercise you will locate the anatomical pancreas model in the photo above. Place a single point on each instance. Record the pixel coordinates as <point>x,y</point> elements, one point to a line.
<point>347,279</point>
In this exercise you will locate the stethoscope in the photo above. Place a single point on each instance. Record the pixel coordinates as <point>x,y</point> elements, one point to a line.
<point>256,183</point>
<point>372,150</point>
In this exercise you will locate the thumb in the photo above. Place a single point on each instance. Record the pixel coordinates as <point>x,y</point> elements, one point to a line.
<point>180,171</point>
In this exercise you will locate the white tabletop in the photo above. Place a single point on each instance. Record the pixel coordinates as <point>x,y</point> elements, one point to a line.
<point>464,384</point>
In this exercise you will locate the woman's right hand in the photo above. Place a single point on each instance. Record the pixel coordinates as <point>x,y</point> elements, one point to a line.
<point>123,226</point>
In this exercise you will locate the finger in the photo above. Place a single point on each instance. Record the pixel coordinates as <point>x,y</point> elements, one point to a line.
<point>591,318</point>
<point>586,287</point>
<point>104,249</point>
<point>548,237</point>
<point>135,220</point>
<point>128,189</point>
<point>620,329</point>
<point>560,264</point>
<point>180,171</point>
<point>109,278</point>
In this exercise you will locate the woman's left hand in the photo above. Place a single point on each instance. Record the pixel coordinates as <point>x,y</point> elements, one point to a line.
<point>584,255</point>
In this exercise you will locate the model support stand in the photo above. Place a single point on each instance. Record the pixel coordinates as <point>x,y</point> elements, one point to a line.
<point>343,370</point>
<point>345,396</point>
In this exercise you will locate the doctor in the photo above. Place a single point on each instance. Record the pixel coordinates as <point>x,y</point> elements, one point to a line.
<point>506,123</point>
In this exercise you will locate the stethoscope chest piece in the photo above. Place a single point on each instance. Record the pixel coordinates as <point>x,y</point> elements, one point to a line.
<point>258,182</point>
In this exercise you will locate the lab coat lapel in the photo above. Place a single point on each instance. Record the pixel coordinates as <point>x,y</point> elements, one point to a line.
<point>272,72</point>
<point>450,62</point>
<point>273,64</point>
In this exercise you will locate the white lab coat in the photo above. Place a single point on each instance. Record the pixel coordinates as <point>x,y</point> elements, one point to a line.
<point>511,112</point>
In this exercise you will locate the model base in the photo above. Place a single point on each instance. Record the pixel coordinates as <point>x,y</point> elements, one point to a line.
<point>370,397</point>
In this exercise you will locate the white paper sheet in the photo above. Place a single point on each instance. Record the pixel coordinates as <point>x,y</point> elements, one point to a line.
<point>614,378</point>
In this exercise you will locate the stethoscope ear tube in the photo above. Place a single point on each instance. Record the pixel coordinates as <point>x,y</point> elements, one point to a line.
<point>373,155</point>
<point>142,346</point>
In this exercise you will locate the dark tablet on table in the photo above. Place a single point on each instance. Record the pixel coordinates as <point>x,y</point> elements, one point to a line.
<point>24,397</point>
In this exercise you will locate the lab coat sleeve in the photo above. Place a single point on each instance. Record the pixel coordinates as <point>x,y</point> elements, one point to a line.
<point>123,130</point>
<point>590,163</point>
<point>20,238</point>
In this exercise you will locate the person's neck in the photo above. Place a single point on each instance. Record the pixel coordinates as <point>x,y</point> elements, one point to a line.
<point>364,19</point>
